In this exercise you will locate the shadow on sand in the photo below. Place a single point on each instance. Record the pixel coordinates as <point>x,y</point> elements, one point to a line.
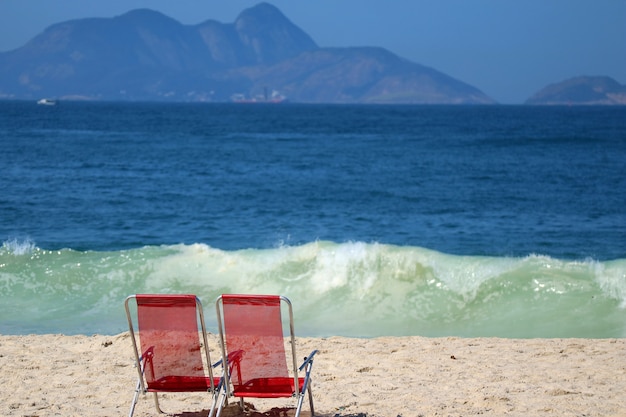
<point>233,410</point>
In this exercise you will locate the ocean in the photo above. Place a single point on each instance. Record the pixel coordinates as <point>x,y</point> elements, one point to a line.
<point>469,221</point>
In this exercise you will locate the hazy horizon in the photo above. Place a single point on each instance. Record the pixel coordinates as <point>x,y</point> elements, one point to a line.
<point>509,50</point>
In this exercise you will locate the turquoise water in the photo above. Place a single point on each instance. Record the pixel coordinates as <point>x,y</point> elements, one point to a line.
<point>375,220</point>
<point>352,289</point>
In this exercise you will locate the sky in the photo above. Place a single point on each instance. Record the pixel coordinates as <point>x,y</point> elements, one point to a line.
<point>509,49</point>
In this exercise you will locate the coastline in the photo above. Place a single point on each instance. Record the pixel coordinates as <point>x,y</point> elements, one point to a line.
<point>386,376</point>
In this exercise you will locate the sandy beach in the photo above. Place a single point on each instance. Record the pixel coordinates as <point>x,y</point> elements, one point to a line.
<point>56,375</point>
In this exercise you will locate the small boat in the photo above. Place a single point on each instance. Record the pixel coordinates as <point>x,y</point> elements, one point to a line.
<point>47,102</point>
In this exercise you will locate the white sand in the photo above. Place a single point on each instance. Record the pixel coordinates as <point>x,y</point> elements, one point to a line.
<point>54,375</point>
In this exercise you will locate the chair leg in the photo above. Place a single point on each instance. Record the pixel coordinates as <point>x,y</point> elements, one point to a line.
<point>218,404</point>
<point>156,403</point>
<point>135,399</point>
<point>301,400</point>
<point>311,400</point>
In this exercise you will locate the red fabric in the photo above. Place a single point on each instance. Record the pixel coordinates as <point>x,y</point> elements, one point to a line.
<point>253,325</point>
<point>170,343</point>
<point>183,384</point>
<point>269,388</point>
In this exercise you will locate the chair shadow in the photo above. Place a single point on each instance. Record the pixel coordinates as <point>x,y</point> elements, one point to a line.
<point>233,410</point>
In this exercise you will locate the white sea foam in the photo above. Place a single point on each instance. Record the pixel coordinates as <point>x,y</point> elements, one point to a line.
<point>350,289</point>
<point>18,247</point>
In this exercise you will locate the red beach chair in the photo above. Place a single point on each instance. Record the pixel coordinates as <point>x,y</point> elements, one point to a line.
<point>251,333</point>
<point>168,346</point>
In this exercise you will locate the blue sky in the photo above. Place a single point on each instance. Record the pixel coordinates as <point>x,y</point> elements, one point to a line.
<point>508,49</point>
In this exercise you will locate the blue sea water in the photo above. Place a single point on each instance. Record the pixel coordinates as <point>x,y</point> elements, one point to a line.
<point>375,220</point>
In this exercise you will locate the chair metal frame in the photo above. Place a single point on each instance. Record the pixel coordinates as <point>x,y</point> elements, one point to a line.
<point>230,362</point>
<point>143,359</point>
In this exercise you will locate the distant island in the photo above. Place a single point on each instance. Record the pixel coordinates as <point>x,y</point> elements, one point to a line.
<point>261,57</point>
<point>581,91</point>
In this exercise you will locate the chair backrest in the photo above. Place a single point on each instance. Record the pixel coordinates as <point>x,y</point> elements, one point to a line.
<point>170,343</point>
<point>253,326</point>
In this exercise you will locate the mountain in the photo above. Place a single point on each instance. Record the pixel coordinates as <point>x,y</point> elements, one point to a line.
<point>363,75</point>
<point>582,91</point>
<point>145,55</point>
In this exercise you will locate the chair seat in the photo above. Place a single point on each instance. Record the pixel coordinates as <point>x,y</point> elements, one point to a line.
<point>175,383</point>
<point>278,387</point>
